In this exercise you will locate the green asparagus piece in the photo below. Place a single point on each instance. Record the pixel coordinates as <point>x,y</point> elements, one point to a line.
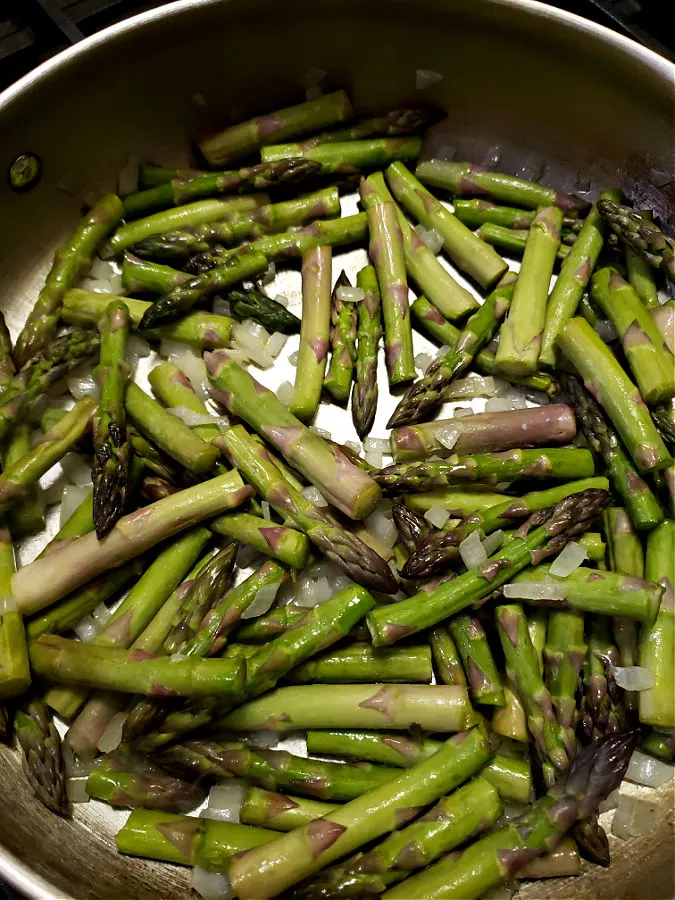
<point>283,543</point>
<point>425,396</point>
<point>348,157</point>
<point>594,546</point>
<point>240,140</point>
<point>468,179</point>
<point>314,332</point>
<point>659,744</point>
<point>601,710</point>
<point>121,782</point>
<point>396,122</point>
<point>656,650</point>
<point>7,370</point>
<point>596,772</point>
<point>38,374</point>
<point>17,480</point>
<point>521,334</point>
<point>266,628</point>
<point>552,528</point>
<point>640,234</point>
<point>361,662</point>
<point>616,393</point>
<point>174,389</point>
<point>14,668</point>
<point>71,261</point>
<point>537,623</point>
<point>482,675</point>
<point>467,251</point>
<point>479,212</point>
<point>343,316</point>
<point>643,507</point>
<point>142,276</point>
<point>510,720</point>
<point>255,305</point>
<point>641,275</point>
<point>485,432</point>
<point>486,468</point>
<point>244,226</point>
<point>26,517</point>
<point>664,319</point>
<point>455,819</point>
<point>281,812</point>
<point>300,853</point>
<point>42,759</point>
<point>447,662</point>
<point>574,276</point>
<point>386,252</point>
<point>664,419</point>
<point>513,240</point>
<point>341,483</point>
<point>564,654</point>
<point>365,391</point>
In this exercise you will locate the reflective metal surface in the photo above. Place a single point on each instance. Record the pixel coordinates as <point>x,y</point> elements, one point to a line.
<point>551,95</point>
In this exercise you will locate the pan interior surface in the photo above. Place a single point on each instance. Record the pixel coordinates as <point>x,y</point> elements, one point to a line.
<point>526,88</point>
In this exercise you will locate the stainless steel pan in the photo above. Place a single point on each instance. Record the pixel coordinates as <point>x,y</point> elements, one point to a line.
<point>552,94</point>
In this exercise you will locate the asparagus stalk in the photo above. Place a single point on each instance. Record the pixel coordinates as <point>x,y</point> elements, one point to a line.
<point>601,710</point>
<point>664,419</point>
<point>342,484</point>
<point>521,334</point>
<point>640,234</point>
<point>359,561</point>
<point>314,332</point>
<point>245,138</point>
<point>71,261</point>
<point>142,276</point>
<point>479,212</point>
<point>447,662</point>
<point>121,782</point>
<point>641,274</point>
<point>51,577</point>
<point>343,317</point>
<point>551,530</point>
<point>643,507</point>
<point>266,628</point>
<point>656,650</point>
<point>42,760</point>
<point>386,252</point>
<point>425,396</point>
<point>365,391</point>
<point>664,319</point>
<point>406,120</point>
<point>17,480</point>
<point>615,392</point>
<point>7,369</point>
<point>659,744</point>
<point>485,432</point>
<point>14,667</point>
<point>348,157</point>
<point>486,468</point>
<point>112,448</point>
<point>596,772</point>
<point>280,812</point>
<point>289,546</point>
<point>574,276</point>
<point>485,684</point>
<point>467,251</point>
<point>537,623</point>
<point>564,654</point>
<point>361,662</point>
<point>258,306</point>
<point>301,853</point>
<point>174,389</point>
<point>26,517</point>
<point>198,329</point>
<point>513,240</point>
<point>458,502</point>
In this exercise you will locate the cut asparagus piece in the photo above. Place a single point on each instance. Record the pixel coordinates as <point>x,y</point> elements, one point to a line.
<point>121,782</point>
<point>281,812</point>
<point>640,234</point>
<point>348,157</point>
<point>485,685</point>
<point>641,274</point>
<point>479,212</point>
<point>365,391</point>
<point>28,516</point>
<point>14,666</point>
<point>261,308</point>
<point>513,240</point>
<point>361,662</point>
<point>142,276</point>
<point>343,317</point>
<point>42,760</point>
<point>406,120</point>
<point>447,662</point>
<point>283,543</point>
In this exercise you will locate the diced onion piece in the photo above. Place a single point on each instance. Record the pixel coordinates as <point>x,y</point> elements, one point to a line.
<point>76,470</point>
<point>7,605</point>
<point>211,885</point>
<point>430,237</point>
<point>116,285</point>
<point>97,285</point>
<point>382,525</point>
<point>634,817</point>
<point>263,601</point>
<point>137,349</point>
<point>437,516</point>
<point>266,510</point>
<point>227,799</point>
<point>75,766</point>
<point>493,542</point>
<point>73,496</point>
<point>443,351</point>
<point>321,432</point>
<point>448,437</point>
<point>285,393</point>
<point>499,404</point>
<point>76,790</point>
<point>623,817</point>
<point>425,78</point>
<point>314,495</point>
<point>535,590</point>
<point>102,269</point>
<point>423,361</point>
<point>221,307</point>
<point>81,383</point>
<point>349,294</point>
<point>172,350</point>
<point>606,330</point>
<point>85,629</point>
<point>101,614</point>
<point>633,678</point>
<point>568,560</point>
<point>194,368</point>
<point>261,739</point>
<point>611,802</point>
<point>276,344</point>
<point>293,358</point>
<point>374,450</point>
<point>648,770</point>
<point>112,736</point>
<point>314,592</point>
<point>127,180</point>
<point>472,386</point>
<point>354,446</point>
<point>283,300</point>
<point>472,551</point>
<point>462,412</point>
<point>190,417</point>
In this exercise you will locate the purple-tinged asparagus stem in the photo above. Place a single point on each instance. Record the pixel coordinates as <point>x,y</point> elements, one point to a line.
<point>485,684</point>
<point>641,234</point>
<point>349,157</point>
<point>564,653</point>
<point>343,316</point>
<point>406,120</point>
<point>365,390</point>
<point>447,662</point>
<point>42,760</point>
<point>602,709</point>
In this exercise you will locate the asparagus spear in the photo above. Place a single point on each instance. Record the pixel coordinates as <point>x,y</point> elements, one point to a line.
<point>641,274</point>
<point>121,782</point>
<point>479,212</point>
<point>552,529</point>
<point>468,179</point>
<point>485,432</point>
<point>664,319</point>
<point>521,334</point>
<point>7,370</point>
<point>43,370</point>
<point>457,502</point>
<point>643,507</point>
<point>513,240</point>
<point>258,306</point>
<point>574,275</point>
<point>485,685</point>
<point>142,276</point>
<point>300,853</point>
<point>386,252</point>
<point>447,663</point>
<point>283,543</point>
<point>456,818</point>
<point>17,480</point>
<point>664,419</point>
<point>412,528</point>
<point>26,517</point>
<point>314,332</point>
<point>615,392</point>
<point>244,226</point>
<point>564,653</point>
<point>46,580</point>
<point>656,650</point>
<point>510,720</point>
<point>42,760</point>
<point>537,622</point>
<point>343,316</point>
<point>348,157</point>
<point>174,389</point>
<point>342,484</point>
<point>14,668</point>
<point>281,812</point>
<point>365,391</point>
<point>183,297</point>
<point>595,773</point>
<point>660,744</point>
<point>244,138</point>
<point>485,468</point>
<point>425,396</point>
<point>640,234</point>
<point>601,710</point>
<point>71,261</point>
<point>467,251</point>
<point>361,662</point>
<point>266,628</point>
<point>434,280</point>
<point>406,120</point>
